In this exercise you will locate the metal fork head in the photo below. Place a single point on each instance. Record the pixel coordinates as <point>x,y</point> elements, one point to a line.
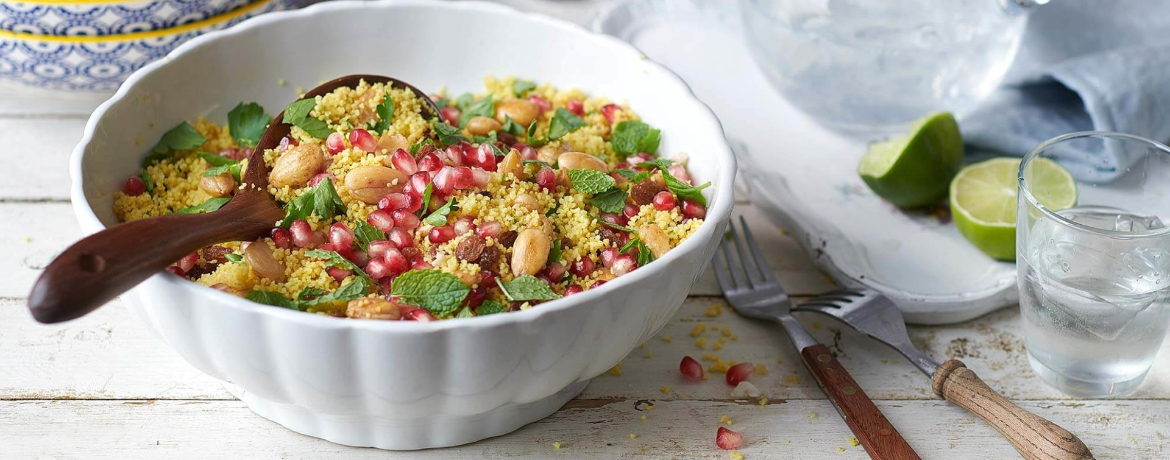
<point>744,276</point>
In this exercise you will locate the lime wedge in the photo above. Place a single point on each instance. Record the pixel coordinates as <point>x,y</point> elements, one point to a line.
<point>914,170</point>
<point>983,200</point>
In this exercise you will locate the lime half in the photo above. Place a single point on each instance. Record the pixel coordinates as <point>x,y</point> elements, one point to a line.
<point>914,170</point>
<point>983,200</point>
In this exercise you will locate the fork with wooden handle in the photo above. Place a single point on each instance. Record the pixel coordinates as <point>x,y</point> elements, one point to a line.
<point>875,315</point>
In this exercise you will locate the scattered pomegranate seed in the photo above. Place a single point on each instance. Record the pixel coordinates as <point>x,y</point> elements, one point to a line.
<point>555,271</point>
<point>319,238</point>
<point>453,156</point>
<point>444,180</point>
<point>638,158</point>
<point>395,261</point>
<point>631,210</point>
<point>340,236</point>
<point>394,201</point>
<point>576,106</point>
<point>352,254</point>
<point>175,270</point>
<point>285,143</point>
<point>462,178</point>
<point>527,153</point>
<point>335,143</point>
<point>582,267</point>
<point>623,264</point>
<point>475,297</point>
<point>320,177</point>
<point>597,284</point>
<point>381,219</point>
<point>363,140</point>
<point>739,373</point>
<point>441,234</point>
<point>541,103</point>
<point>377,248</point>
<point>664,201</point>
<point>404,162</point>
<point>188,262</point>
<point>481,177</point>
<point>487,279</point>
<point>464,225</point>
<point>421,316</point>
<point>411,252</point>
<point>326,247</point>
<point>339,274</point>
<point>134,186</point>
<point>420,264</point>
<point>489,229</point>
<point>679,172</point>
<point>401,238</point>
<point>301,233</point>
<point>574,289</point>
<point>281,237</point>
<point>418,184</point>
<point>691,369</point>
<point>693,210</point>
<point>405,219</point>
<point>378,268</point>
<point>546,178</point>
<point>608,256</point>
<point>609,110</point>
<point>451,115</point>
<point>430,163</point>
<point>727,439</point>
<point>616,219</point>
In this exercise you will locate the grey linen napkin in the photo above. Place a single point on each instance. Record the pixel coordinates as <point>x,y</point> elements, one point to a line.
<point>1083,65</point>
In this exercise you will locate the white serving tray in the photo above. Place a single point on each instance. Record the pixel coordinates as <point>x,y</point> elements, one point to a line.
<point>804,176</point>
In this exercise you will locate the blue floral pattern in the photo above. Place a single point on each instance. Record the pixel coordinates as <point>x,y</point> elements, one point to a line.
<point>109,19</point>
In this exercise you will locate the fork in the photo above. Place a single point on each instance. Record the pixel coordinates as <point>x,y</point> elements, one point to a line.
<point>752,290</point>
<point>876,315</point>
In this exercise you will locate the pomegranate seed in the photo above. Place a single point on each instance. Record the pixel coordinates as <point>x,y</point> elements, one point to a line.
<point>693,210</point>
<point>378,268</point>
<point>623,264</point>
<point>285,143</point>
<point>486,157</point>
<point>419,264</point>
<point>679,172</point>
<point>363,140</point>
<point>326,247</point>
<point>395,261</point>
<point>404,162</point>
<point>739,373</point>
<point>489,229</point>
<point>418,184</point>
<point>359,258</point>
<point>377,248</point>
<point>451,115</point>
<point>453,155</point>
<point>577,107</point>
<point>320,177</point>
<point>444,182</point>
<point>401,238</point>
<point>301,233</point>
<point>464,225</point>
<point>664,201</point>
<point>541,103</point>
<point>430,162</point>
<point>582,267</point>
<point>340,236</point>
<point>318,238</point>
<point>727,439</point>
<point>574,289</point>
<point>597,284</point>
<point>339,274</point>
<point>381,219</point>
<point>405,220</point>
<point>411,252</point>
<point>631,210</point>
<point>176,270</point>
<point>691,369</point>
<point>281,237</point>
<point>462,178</point>
<point>481,177</point>
<point>188,262</point>
<point>546,178</point>
<point>609,110</point>
<point>555,271</point>
<point>335,143</point>
<point>487,278</point>
<point>616,219</point>
<point>608,256</point>
<point>394,201</point>
<point>441,234</point>
<point>134,186</point>
<point>475,297</point>
<point>528,153</point>
<point>421,316</point>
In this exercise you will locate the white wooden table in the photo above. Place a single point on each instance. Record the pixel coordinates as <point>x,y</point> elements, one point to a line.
<point>102,387</point>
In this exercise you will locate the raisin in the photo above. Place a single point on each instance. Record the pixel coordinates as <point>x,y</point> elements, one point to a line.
<point>411,253</point>
<point>508,238</point>
<point>643,192</point>
<point>200,269</point>
<point>216,254</point>
<point>490,257</point>
<point>470,248</point>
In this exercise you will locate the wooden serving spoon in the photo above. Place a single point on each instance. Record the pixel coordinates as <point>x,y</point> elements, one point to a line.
<point>108,263</point>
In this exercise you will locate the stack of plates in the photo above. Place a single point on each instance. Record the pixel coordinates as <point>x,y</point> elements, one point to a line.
<point>93,45</point>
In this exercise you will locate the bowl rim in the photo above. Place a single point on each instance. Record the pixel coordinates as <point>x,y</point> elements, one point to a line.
<point>718,212</point>
<point>226,16</point>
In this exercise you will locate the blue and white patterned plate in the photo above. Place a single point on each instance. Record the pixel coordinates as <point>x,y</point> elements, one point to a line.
<point>107,17</point>
<point>101,63</point>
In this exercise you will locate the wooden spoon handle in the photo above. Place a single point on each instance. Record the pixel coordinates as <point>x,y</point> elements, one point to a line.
<point>875,433</point>
<point>104,265</point>
<point>1034,437</point>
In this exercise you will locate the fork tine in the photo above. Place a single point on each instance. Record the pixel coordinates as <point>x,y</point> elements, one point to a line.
<point>748,262</point>
<point>819,305</point>
<point>736,273</point>
<point>827,309</point>
<point>761,262</point>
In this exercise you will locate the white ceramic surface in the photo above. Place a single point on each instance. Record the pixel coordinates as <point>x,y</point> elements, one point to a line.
<point>402,385</point>
<point>805,176</point>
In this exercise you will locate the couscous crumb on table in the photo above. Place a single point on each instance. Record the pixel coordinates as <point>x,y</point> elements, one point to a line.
<point>517,196</point>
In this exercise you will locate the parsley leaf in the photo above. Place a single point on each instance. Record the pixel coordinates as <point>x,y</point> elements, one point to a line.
<point>464,100</point>
<point>490,307</point>
<point>385,112</point>
<point>511,127</point>
<point>531,130</point>
<point>297,114</point>
<point>333,259</point>
<point>233,257</point>
<point>589,181</point>
<point>485,107</point>
<point>221,164</point>
<point>270,298</point>
<point>426,198</point>
<point>555,253</point>
<point>448,135</point>
<point>145,176</point>
<point>207,206</point>
<point>364,233</point>
<point>563,122</point>
<point>644,254</point>
<point>321,200</point>
<point>525,288</point>
<point>181,137</point>
<point>353,290</point>
<point>519,87</point>
<point>684,191</point>
<point>630,137</point>
<point>439,217</point>
<point>438,292</point>
<point>612,200</point>
<point>247,122</point>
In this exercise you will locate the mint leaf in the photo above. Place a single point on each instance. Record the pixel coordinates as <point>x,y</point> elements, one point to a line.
<point>145,176</point>
<point>364,233</point>
<point>181,137</point>
<point>216,160</point>
<point>490,307</point>
<point>310,293</point>
<point>519,87</point>
<point>626,136</point>
<point>612,200</point>
<point>247,122</point>
<point>438,292</point>
<point>333,259</point>
<point>439,217</point>
<point>661,163</point>
<point>448,135</point>
<point>207,206</point>
<point>485,107</point>
<point>355,289</point>
<point>644,254</point>
<point>649,142</point>
<point>563,122</point>
<point>511,127</point>
<point>555,253</point>
<point>385,112</point>
<point>633,176</point>
<point>321,200</point>
<point>683,190</point>
<point>526,288</point>
<point>589,181</point>
<point>233,257</point>
<point>465,313</point>
<point>273,298</point>
<point>426,198</point>
<point>297,114</point>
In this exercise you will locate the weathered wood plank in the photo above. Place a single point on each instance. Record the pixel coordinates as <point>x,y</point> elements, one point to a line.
<point>178,430</point>
<point>38,157</point>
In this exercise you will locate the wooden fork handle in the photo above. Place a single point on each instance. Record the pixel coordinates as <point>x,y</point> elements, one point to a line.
<point>1033,436</point>
<point>875,433</point>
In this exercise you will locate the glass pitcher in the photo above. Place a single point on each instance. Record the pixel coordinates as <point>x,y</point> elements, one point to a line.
<point>867,68</point>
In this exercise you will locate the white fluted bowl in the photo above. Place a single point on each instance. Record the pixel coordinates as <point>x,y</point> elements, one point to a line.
<point>402,385</point>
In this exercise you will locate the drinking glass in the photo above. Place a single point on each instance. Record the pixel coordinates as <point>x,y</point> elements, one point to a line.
<point>1094,277</point>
